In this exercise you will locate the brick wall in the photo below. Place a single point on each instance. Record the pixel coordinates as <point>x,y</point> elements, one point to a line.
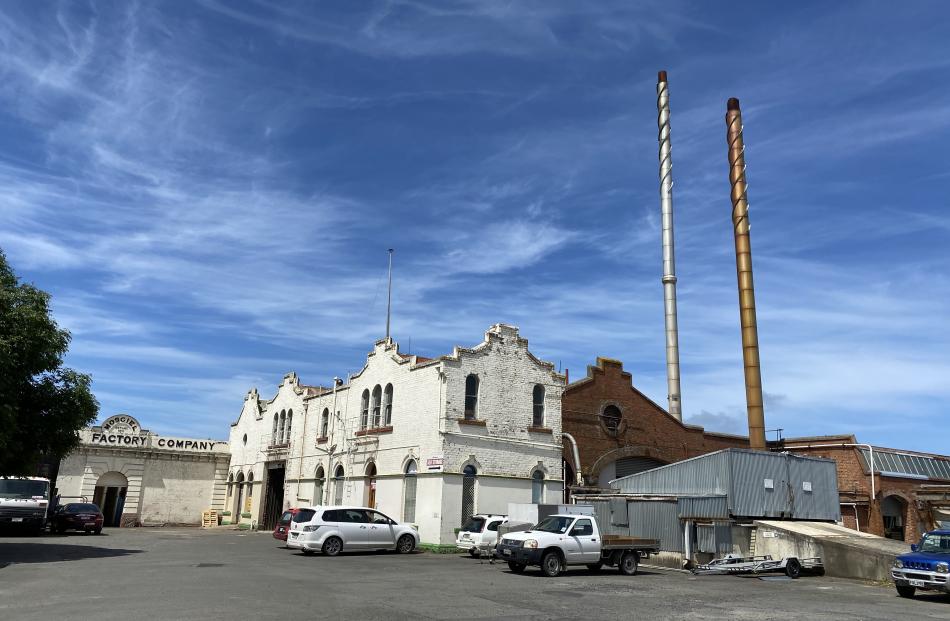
<point>646,429</point>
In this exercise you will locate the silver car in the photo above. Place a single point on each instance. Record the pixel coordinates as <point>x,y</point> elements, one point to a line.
<point>332,530</point>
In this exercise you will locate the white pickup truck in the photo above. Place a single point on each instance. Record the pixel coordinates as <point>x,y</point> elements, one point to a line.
<point>561,540</point>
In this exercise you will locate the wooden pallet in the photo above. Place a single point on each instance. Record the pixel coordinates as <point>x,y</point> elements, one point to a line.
<point>209,518</point>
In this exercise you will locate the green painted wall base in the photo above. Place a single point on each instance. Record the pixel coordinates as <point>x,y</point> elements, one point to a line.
<point>438,548</point>
<point>244,527</point>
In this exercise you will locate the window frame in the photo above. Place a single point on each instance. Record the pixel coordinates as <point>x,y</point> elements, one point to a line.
<point>537,406</point>
<point>471,396</point>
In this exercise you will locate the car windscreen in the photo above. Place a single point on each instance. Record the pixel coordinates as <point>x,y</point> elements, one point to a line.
<point>79,507</point>
<point>286,517</point>
<point>554,524</point>
<point>304,515</point>
<point>474,525</point>
<point>939,544</point>
<point>23,488</point>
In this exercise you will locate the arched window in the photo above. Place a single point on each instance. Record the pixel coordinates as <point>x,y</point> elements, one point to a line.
<point>318,483</point>
<point>611,418</point>
<point>325,423</point>
<point>471,397</point>
<point>283,426</point>
<point>538,400</point>
<point>377,397</point>
<point>369,497</point>
<point>338,483</point>
<point>364,410</point>
<point>388,405</point>
<point>273,435</point>
<point>537,487</point>
<point>290,422</point>
<point>409,493</point>
<point>468,492</point>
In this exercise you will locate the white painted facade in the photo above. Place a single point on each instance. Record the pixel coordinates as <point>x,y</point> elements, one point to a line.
<point>153,479</point>
<point>426,430</point>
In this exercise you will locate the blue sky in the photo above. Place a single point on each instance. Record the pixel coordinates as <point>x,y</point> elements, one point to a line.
<point>208,190</point>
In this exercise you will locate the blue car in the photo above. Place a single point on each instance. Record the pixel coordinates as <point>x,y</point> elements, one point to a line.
<point>927,567</point>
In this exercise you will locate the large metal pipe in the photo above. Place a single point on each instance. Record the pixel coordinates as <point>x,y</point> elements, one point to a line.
<point>669,265</point>
<point>740,225</point>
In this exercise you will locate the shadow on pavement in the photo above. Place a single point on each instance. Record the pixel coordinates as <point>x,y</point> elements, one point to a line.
<point>27,552</point>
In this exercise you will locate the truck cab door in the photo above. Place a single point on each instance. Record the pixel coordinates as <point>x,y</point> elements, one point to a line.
<point>583,543</point>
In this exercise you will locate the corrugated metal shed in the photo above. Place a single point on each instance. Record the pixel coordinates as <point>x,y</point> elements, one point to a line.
<point>656,519</point>
<point>703,508</point>
<point>756,484</point>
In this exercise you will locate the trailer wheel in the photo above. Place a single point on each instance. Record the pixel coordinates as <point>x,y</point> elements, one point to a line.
<point>629,563</point>
<point>551,564</point>
<point>906,591</point>
<point>793,568</point>
<point>516,568</point>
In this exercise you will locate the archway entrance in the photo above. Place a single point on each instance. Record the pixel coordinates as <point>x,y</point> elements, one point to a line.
<point>371,486</point>
<point>893,509</point>
<point>110,494</point>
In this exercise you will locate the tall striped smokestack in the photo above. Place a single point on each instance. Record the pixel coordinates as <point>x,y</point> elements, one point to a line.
<point>740,225</point>
<point>669,266</point>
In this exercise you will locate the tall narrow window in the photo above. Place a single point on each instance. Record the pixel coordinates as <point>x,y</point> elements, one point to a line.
<point>364,410</point>
<point>388,405</point>
<point>471,397</point>
<point>250,487</point>
<point>273,435</point>
<point>325,422</point>
<point>338,483</point>
<point>239,497</point>
<point>230,484</point>
<point>377,397</point>
<point>409,493</point>
<point>538,399</point>
<point>469,475</point>
<point>318,481</point>
<point>290,422</point>
<point>537,487</point>
<point>283,426</point>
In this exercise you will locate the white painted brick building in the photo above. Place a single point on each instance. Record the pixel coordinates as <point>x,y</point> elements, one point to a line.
<point>423,440</point>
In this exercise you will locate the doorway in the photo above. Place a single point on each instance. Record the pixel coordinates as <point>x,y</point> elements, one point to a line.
<point>274,496</point>
<point>371,486</point>
<point>892,512</point>
<point>109,496</point>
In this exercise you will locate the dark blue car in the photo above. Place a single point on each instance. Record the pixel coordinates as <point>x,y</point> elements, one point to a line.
<point>927,567</point>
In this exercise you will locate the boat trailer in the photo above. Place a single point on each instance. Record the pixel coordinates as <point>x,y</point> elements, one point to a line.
<point>791,566</point>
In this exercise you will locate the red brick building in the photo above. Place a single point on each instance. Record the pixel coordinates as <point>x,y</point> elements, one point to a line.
<point>911,490</point>
<point>619,431</point>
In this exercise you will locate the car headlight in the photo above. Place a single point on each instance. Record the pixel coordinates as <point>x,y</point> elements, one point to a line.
<point>309,528</point>
<point>898,564</point>
<point>531,544</point>
<point>942,568</point>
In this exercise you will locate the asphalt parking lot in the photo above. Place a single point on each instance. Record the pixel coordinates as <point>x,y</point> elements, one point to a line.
<point>224,574</point>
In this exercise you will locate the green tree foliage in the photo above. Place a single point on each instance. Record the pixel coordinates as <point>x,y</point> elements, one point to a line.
<point>43,405</point>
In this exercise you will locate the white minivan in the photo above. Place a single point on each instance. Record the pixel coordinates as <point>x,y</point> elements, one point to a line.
<point>332,530</point>
<point>480,533</point>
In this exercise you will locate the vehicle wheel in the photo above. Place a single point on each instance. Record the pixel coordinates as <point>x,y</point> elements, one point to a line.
<point>517,568</point>
<point>332,546</point>
<point>906,591</point>
<point>473,552</point>
<point>595,567</point>
<point>629,563</point>
<point>406,544</point>
<point>551,564</point>
<point>793,568</point>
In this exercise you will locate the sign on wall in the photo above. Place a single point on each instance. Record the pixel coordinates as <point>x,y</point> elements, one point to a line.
<point>435,463</point>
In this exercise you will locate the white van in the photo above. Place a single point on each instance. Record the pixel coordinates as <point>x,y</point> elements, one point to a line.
<point>332,530</point>
<point>480,533</point>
